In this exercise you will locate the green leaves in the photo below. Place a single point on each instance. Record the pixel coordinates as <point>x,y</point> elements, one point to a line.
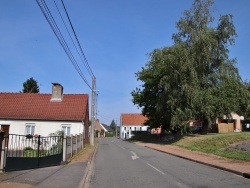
<point>194,79</point>
<point>30,86</point>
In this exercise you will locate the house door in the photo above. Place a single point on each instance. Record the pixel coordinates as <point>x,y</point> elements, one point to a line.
<point>5,129</point>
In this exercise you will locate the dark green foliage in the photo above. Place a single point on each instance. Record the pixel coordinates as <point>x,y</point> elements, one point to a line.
<point>194,79</point>
<point>109,135</point>
<point>113,125</point>
<point>30,86</point>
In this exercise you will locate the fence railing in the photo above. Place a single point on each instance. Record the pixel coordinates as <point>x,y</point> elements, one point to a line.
<point>32,146</point>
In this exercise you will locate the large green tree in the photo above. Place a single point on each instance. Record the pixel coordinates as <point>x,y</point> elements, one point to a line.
<point>194,78</point>
<point>30,86</point>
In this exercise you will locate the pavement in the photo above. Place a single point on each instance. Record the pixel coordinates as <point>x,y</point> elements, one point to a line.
<point>73,174</point>
<point>76,173</point>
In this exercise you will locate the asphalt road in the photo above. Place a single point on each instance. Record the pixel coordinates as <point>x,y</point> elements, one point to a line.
<point>121,164</point>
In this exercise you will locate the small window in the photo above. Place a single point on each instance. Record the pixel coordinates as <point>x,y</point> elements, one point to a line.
<point>66,130</point>
<point>30,128</point>
<point>130,128</point>
<point>124,128</point>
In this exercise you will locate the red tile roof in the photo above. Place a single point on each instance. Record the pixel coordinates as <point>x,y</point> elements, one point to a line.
<point>37,106</point>
<point>132,119</point>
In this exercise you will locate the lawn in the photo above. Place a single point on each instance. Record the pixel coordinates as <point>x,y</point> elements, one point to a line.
<point>218,144</point>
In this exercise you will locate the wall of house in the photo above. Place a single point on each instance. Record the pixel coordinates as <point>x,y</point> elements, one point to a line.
<point>126,131</point>
<point>43,128</point>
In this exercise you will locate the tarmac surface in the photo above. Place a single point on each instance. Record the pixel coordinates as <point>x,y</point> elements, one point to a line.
<point>238,167</point>
<point>74,174</point>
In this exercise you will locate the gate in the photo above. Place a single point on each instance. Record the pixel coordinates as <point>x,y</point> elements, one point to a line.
<point>29,152</point>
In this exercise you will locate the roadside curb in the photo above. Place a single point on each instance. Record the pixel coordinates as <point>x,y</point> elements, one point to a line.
<point>243,174</point>
<point>84,179</point>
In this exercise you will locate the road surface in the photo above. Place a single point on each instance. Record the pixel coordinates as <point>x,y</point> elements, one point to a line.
<point>120,164</point>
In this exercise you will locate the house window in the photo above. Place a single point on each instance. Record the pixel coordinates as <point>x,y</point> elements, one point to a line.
<point>66,130</point>
<point>30,128</point>
<point>130,128</point>
<point>124,128</point>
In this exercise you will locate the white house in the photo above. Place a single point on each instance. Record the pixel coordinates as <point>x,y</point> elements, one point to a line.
<point>131,122</point>
<point>42,114</point>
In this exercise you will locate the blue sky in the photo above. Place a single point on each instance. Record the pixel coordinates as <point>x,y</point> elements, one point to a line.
<point>116,36</point>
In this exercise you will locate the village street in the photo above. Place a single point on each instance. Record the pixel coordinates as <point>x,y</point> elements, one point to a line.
<point>122,164</point>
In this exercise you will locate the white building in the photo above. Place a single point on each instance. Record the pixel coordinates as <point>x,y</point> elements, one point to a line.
<point>42,114</point>
<point>130,123</point>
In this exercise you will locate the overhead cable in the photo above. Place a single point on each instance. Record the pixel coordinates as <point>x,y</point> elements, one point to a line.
<point>81,56</point>
<point>87,64</point>
<point>46,12</point>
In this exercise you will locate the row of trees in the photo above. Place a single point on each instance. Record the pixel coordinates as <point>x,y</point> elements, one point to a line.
<point>193,79</point>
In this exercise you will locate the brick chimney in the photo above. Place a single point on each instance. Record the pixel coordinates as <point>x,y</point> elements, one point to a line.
<point>57,92</point>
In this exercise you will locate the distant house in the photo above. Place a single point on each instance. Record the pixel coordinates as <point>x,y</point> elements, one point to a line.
<point>42,114</point>
<point>156,130</point>
<point>100,129</point>
<point>108,128</point>
<point>130,123</point>
<point>232,123</point>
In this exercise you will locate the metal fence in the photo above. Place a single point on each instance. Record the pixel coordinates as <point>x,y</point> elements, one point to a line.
<point>33,146</point>
<point>19,152</point>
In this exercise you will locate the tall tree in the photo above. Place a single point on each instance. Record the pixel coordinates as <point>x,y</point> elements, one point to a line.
<point>30,86</point>
<point>194,78</point>
<point>113,125</point>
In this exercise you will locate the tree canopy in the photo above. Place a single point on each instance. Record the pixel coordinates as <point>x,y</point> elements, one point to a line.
<point>30,86</point>
<point>113,125</point>
<point>193,79</point>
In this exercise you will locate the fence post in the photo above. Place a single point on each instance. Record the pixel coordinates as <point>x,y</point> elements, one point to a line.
<point>76,143</point>
<point>64,148</point>
<point>81,140</point>
<point>71,145</point>
<point>2,155</point>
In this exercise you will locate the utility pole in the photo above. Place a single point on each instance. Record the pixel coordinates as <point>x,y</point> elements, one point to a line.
<point>115,128</point>
<point>92,131</point>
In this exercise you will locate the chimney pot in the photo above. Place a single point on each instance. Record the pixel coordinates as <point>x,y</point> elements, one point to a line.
<point>57,92</point>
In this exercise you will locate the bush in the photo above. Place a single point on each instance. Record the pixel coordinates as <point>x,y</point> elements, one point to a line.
<point>109,135</point>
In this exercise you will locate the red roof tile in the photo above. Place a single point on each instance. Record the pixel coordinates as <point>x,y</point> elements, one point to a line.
<point>132,119</point>
<point>38,106</point>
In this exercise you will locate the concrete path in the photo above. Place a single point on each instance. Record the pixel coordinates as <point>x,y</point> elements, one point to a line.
<point>64,176</point>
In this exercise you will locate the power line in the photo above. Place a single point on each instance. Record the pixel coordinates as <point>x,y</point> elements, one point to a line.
<point>46,12</point>
<point>83,56</point>
<point>87,64</point>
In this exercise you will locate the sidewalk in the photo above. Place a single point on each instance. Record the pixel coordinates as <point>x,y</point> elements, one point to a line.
<point>234,166</point>
<point>63,176</point>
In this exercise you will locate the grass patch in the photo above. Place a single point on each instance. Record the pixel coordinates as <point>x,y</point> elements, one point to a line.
<point>216,144</point>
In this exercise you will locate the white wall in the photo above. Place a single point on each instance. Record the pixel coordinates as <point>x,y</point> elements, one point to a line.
<point>128,130</point>
<point>43,128</point>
